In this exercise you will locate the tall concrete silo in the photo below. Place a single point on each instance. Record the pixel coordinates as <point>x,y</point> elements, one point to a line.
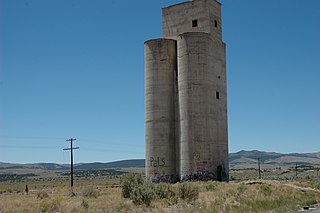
<point>186,106</point>
<point>196,104</point>
<point>160,78</point>
<point>199,107</point>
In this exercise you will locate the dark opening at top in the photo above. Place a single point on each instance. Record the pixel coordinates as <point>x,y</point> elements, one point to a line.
<point>194,23</point>
<point>215,23</point>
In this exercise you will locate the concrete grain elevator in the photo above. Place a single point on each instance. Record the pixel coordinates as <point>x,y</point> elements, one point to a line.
<point>186,96</point>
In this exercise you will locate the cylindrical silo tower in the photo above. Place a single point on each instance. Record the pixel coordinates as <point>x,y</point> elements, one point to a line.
<point>160,77</point>
<point>200,105</point>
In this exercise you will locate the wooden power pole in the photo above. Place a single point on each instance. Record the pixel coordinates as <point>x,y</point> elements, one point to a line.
<point>71,151</point>
<point>259,172</point>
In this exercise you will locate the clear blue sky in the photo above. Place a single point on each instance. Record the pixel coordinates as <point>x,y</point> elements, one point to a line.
<point>74,68</point>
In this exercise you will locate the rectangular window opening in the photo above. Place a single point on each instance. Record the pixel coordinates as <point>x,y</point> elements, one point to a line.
<point>194,23</point>
<point>217,95</point>
<point>215,23</point>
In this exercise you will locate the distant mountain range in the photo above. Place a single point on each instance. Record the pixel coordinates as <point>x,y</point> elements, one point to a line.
<point>134,163</point>
<point>242,159</point>
<point>248,159</point>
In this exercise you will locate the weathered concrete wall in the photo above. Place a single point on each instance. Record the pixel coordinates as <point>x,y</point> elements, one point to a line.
<point>202,112</point>
<point>186,106</point>
<point>160,77</point>
<point>178,19</point>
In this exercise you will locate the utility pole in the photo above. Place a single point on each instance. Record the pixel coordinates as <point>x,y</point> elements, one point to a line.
<point>259,168</point>
<point>71,151</point>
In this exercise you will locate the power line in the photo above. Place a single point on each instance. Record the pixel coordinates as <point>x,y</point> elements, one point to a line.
<point>28,147</point>
<point>61,138</point>
<point>112,150</point>
<point>58,147</point>
<point>31,137</point>
<point>106,142</point>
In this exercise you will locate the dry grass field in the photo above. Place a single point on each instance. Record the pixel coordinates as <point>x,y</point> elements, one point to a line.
<point>104,194</point>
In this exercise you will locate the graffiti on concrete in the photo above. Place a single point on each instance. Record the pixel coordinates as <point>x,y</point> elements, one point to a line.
<point>196,156</point>
<point>157,162</point>
<point>220,173</point>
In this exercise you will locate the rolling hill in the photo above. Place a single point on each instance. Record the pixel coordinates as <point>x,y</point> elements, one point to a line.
<point>248,159</point>
<point>242,159</point>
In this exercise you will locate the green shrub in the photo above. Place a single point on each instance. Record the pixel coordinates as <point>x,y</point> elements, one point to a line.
<point>266,189</point>
<point>85,204</point>
<point>211,186</point>
<point>51,206</point>
<point>188,191</point>
<point>129,182</point>
<point>137,189</point>
<point>164,190</point>
<point>231,192</point>
<point>316,185</point>
<point>143,194</point>
<point>242,187</point>
<point>90,192</point>
<point>42,194</point>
